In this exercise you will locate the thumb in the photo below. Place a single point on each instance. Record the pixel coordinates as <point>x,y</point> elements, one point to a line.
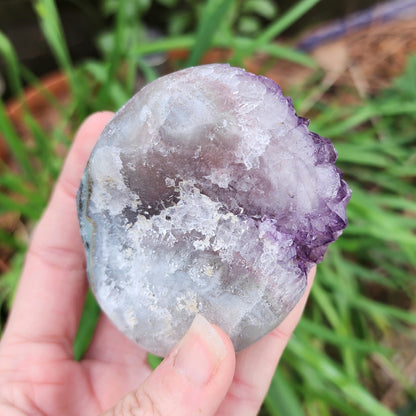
<point>192,379</point>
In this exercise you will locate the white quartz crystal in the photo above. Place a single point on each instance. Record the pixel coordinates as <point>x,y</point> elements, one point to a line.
<point>207,194</point>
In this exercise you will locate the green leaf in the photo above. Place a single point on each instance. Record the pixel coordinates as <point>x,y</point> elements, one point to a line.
<point>281,399</point>
<point>51,26</point>
<point>248,24</point>
<point>9,204</point>
<point>275,29</point>
<point>213,13</point>
<point>378,309</point>
<point>366,113</point>
<point>354,392</point>
<point>9,280</point>
<point>86,327</point>
<point>12,66</point>
<point>153,360</point>
<point>52,29</point>
<point>149,73</point>
<point>164,45</point>
<point>264,8</point>
<point>119,40</point>
<point>332,337</point>
<point>187,41</point>
<point>8,240</point>
<point>179,22</point>
<point>15,144</point>
<point>405,84</point>
<point>277,50</point>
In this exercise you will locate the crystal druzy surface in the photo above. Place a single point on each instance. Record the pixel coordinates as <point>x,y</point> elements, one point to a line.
<point>206,193</point>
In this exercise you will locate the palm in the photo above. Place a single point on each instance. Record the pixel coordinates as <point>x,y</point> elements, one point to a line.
<point>42,378</point>
<point>50,382</point>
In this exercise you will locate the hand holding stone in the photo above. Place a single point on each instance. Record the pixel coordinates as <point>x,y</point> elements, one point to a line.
<point>38,374</point>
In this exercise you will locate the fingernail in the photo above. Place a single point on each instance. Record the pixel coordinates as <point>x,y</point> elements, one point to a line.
<point>199,352</point>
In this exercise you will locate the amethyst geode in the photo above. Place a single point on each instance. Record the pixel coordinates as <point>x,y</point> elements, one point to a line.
<point>206,193</point>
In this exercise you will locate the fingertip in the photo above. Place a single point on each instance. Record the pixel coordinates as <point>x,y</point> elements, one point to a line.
<point>228,345</point>
<point>95,121</point>
<point>89,131</point>
<point>230,354</point>
<point>84,141</point>
<point>97,117</point>
<point>193,379</point>
<point>204,351</point>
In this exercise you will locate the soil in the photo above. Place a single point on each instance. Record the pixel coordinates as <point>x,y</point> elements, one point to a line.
<point>366,59</point>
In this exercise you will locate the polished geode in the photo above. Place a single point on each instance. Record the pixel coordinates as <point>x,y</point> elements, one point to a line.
<point>206,193</point>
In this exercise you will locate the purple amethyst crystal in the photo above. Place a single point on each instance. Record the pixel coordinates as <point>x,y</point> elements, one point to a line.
<point>206,193</point>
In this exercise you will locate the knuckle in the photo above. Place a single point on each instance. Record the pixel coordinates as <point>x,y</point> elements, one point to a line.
<point>281,334</point>
<point>147,402</point>
<point>68,187</point>
<point>244,393</point>
<point>55,256</point>
<point>138,403</point>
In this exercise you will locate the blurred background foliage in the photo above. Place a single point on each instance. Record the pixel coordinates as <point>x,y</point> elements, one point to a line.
<point>354,350</point>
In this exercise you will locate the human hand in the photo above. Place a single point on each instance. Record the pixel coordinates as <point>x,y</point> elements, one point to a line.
<point>38,373</point>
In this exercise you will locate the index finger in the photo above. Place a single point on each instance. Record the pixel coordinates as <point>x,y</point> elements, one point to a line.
<point>53,284</point>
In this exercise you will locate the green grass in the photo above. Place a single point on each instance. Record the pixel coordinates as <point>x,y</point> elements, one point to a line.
<point>364,291</point>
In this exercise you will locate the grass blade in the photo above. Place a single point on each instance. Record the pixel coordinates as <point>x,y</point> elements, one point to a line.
<point>275,29</point>
<point>308,326</point>
<point>15,144</point>
<point>53,32</point>
<point>8,204</point>
<point>87,326</point>
<point>12,65</point>
<point>8,240</point>
<point>212,15</point>
<point>331,373</point>
<point>119,38</point>
<point>164,45</point>
<point>188,42</point>
<point>281,399</point>
<point>286,52</point>
<point>153,360</point>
